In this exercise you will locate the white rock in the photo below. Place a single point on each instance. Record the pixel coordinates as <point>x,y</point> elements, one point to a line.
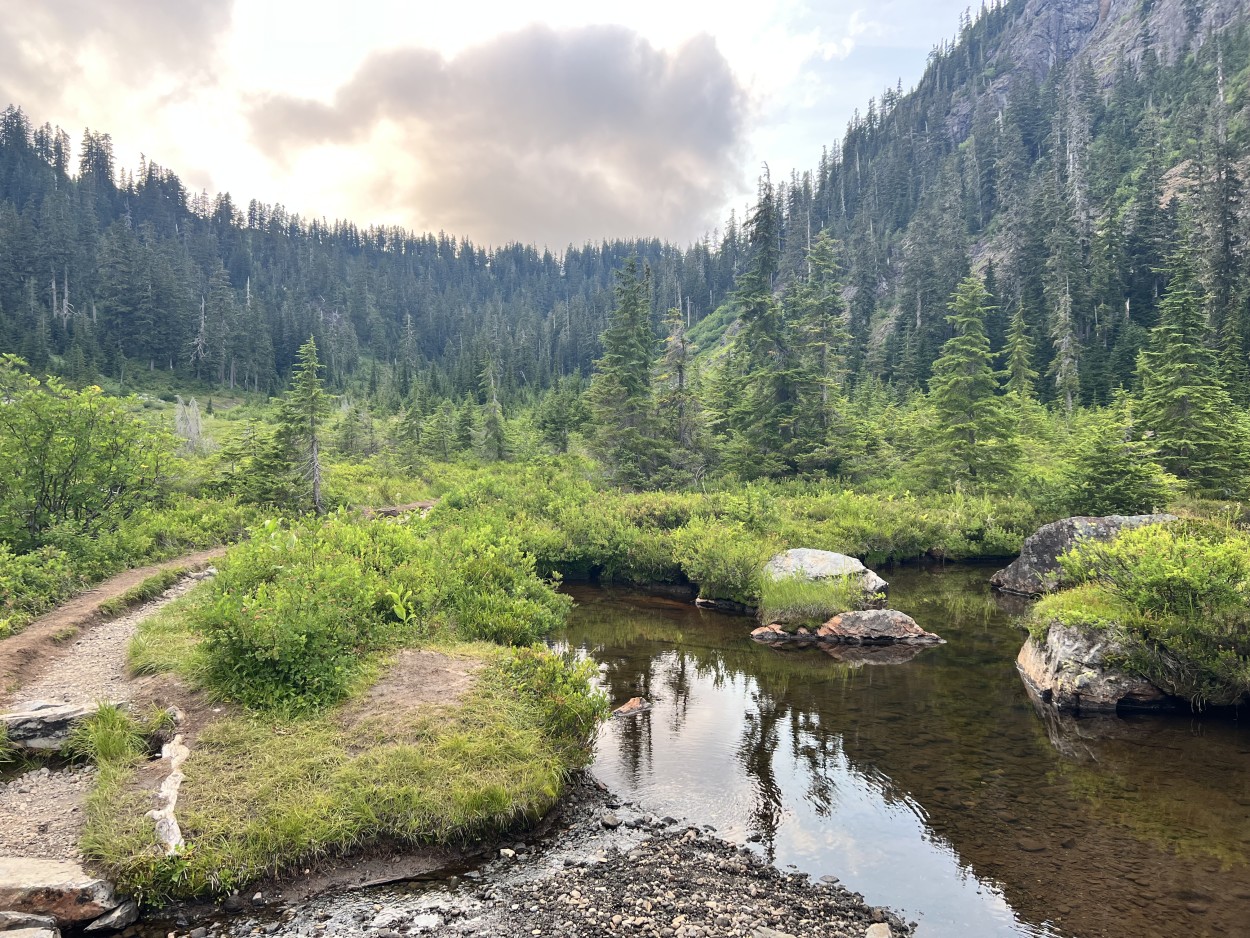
<point>822,565</point>
<point>880,930</point>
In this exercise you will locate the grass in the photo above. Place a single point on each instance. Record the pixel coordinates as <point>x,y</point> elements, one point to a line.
<point>137,595</point>
<point>262,795</point>
<point>166,643</point>
<point>796,601</point>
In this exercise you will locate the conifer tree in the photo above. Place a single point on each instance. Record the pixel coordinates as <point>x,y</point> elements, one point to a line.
<point>301,419</point>
<point>1019,352</point>
<point>976,443</point>
<point>1111,469</point>
<point>1196,429</point>
<point>620,394</point>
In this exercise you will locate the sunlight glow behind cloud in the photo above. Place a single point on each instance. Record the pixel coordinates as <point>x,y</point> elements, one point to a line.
<point>193,85</point>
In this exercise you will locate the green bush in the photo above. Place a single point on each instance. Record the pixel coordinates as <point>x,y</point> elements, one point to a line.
<point>1179,596</point>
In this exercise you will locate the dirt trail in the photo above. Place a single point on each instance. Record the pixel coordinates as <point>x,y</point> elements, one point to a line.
<point>31,653</point>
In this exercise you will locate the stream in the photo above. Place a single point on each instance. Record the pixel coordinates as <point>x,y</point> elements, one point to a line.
<point>931,786</point>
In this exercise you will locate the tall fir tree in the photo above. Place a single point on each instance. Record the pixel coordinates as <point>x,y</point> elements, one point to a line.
<point>976,444</point>
<point>620,394</point>
<point>1199,433</point>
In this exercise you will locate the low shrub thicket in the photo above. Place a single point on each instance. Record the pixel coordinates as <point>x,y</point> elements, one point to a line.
<point>295,612</point>
<point>32,583</point>
<point>717,539</point>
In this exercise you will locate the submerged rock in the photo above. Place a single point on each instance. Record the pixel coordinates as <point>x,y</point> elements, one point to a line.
<point>1037,568</point>
<point>882,628</point>
<point>632,707</point>
<point>1070,671</point>
<point>822,565</point>
<point>59,888</point>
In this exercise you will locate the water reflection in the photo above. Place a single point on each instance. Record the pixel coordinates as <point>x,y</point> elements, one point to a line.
<point>929,785</point>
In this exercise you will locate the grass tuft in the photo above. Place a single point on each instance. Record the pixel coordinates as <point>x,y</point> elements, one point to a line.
<point>796,601</point>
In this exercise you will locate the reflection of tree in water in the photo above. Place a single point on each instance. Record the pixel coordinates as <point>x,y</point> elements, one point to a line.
<point>760,738</point>
<point>622,677</point>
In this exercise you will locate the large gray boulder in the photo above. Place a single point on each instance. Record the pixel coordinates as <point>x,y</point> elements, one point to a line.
<point>61,889</point>
<point>1037,568</point>
<point>822,565</point>
<point>1070,671</point>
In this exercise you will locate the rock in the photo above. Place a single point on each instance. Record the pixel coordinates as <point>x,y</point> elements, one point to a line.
<point>41,932</point>
<point>770,633</point>
<point>880,930</point>
<point>44,726</point>
<point>1069,671</point>
<point>19,921</point>
<point>125,914</point>
<point>1037,568</point>
<point>762,931</point>
<point>632,707</point>
<point>875,627</point>
<point>167,830</point>
<point>822,565</point>
<point>724,605</point>
<point>609,820</point>
<point>59,888</point>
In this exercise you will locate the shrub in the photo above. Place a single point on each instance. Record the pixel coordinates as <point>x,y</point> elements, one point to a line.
<point>1183,593</point>
<point>560,688</point>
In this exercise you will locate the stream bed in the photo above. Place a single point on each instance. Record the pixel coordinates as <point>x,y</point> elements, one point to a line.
<point>931,786</point>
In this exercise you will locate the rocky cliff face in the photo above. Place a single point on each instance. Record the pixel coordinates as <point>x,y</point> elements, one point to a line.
<point>1107,32</point>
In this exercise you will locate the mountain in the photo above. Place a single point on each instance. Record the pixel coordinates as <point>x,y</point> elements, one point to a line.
<point>1064,149</point>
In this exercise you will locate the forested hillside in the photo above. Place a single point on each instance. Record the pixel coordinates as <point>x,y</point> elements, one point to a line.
<point>1077,155</point>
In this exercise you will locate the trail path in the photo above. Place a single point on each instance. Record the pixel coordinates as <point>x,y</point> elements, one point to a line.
<point>33,656</point>
<point>41,810</point>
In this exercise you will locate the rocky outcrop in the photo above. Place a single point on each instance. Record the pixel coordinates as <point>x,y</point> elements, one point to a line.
<point>43,726</point>
<point>880,627</point>
<point>1037,569</point>
<point>1070,671</point>
<point>61,889</point>
<point>822,565</point>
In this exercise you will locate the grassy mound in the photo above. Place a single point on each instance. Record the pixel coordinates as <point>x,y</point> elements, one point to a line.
<point>1176,596</point>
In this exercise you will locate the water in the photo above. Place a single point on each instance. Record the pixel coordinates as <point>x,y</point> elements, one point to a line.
<point>931,786</point>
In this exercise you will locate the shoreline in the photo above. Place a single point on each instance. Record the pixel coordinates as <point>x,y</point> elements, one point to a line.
<point>594,865</point>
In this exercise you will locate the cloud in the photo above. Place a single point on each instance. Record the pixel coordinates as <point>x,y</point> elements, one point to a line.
<point>540,135</point>
<point>56,50</point>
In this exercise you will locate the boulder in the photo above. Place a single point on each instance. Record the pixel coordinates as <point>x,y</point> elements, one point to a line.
<point>875,627</point>
<point>1069,671</point>
<point>822,565</point>
<point>1037,568</point>
<point>44,726</point>
<point>59,888</point>
<point>871,627</point>
<point>41,931</point>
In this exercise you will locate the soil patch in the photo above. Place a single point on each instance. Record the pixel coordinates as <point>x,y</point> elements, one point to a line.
<point>417,678</point>
<point>33,652</point>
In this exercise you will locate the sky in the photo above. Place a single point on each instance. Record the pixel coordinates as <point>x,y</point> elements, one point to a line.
<point>551,123</point>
